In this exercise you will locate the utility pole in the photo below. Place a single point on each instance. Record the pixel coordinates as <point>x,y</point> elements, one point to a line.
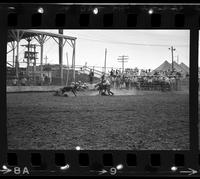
<point>172,51</point>
<point>177,58</point>
<point>46,60</point>
<point>60,31</point>
<point>28,59</point>
<point>34,65</point>
<point>105,60</point>
<point>123,59</point>
<point>67,70</point>
<point>13,46</point>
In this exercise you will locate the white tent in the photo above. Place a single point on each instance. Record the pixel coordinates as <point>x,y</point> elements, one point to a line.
<point>185,67</point>
<point>165,66</point>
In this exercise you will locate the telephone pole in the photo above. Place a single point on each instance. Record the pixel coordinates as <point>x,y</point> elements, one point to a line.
<point>123,59</point>
<point>105,60</point>
<point>46,58</point>
<point>34,65</point>
<point>172,51</point>
<point>60,31</point>
<point>177,58</point>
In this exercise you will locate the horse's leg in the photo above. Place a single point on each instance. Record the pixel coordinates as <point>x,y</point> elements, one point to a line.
<point>110,92</point>
<point>74,92</point>
<point>61,91</point>
<point>99,91</point>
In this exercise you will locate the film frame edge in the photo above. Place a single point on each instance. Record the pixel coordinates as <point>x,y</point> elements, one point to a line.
<point>144,168</point>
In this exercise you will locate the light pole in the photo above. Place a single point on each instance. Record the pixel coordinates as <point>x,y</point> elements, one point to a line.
<point>172,51</point>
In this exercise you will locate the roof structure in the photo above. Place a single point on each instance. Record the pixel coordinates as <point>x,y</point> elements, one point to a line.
<point>24,33</point>
<point>16,35</point>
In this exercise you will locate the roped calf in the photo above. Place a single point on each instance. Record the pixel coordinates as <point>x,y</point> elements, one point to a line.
<point>72,89</point>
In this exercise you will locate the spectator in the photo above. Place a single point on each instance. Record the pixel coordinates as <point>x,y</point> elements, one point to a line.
<point>42,79</point>
<point>172,82</point>
<point>102,77</point>
<point>23,81</point>
<point>91,76</point>
<point>46,79</point>
<point>114,73</point>
<point>14,82</point>
<point>117,72</point>
<point>126,79</point>
<point>111,73</point>
<point>117,82</point>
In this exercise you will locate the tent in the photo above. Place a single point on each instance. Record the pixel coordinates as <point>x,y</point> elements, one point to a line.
<point>185,67</point>
<point>165,66</point>
<point>178,68</point>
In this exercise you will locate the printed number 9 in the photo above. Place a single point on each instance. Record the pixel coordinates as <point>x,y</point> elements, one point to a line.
<point>113,171</point>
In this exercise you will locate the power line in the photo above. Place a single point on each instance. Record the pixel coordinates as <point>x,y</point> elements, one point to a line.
<point>130,43</point>
<point>89,37</point>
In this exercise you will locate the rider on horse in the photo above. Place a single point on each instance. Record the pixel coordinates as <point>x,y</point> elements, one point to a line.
<point>106,86</point>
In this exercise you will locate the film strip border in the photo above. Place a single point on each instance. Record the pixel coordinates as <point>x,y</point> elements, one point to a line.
<point>101,163</point>
<point>109,162</point>
<point>98,17</point>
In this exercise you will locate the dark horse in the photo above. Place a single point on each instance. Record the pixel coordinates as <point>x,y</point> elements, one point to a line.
<point>103,88</point>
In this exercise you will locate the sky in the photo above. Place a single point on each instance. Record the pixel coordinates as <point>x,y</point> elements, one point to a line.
<point>146,49</point>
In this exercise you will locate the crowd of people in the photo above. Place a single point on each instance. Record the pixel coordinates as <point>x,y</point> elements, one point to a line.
<point>144,79</point>
<point>26,81</point>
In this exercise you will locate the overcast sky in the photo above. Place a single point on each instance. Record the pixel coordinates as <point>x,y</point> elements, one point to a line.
<point>145,48</point>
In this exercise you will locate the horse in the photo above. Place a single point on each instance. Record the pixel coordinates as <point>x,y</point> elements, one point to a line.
<point>103,88</point>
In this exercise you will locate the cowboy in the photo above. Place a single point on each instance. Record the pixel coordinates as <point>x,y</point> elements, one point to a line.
<point>102,77</point>
<point>14,82</point>
<point>106,82</point>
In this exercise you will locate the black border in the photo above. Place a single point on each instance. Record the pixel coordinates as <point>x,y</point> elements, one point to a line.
<point>143,167</point>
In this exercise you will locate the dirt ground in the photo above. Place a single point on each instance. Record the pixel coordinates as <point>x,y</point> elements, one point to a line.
<point>132,121</point>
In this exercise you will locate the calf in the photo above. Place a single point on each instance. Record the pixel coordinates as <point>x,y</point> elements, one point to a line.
<point>73,89</point>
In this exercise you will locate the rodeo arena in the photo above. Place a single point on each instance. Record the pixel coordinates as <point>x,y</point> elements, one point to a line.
<point>85,107</point>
